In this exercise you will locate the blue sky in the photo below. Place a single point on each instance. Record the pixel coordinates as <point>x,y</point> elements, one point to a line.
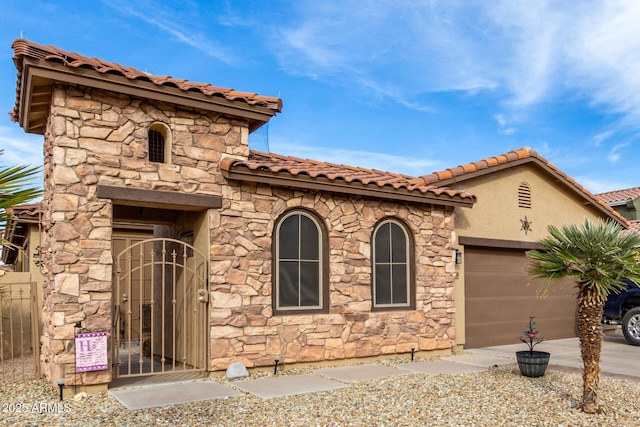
<point>405,86</point>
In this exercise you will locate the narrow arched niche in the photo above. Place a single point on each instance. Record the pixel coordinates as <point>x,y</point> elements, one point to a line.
<point>159,143</point>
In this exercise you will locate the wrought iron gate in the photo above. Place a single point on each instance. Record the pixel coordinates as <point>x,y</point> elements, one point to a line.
<point>19,331</point>
<point>160,312</point>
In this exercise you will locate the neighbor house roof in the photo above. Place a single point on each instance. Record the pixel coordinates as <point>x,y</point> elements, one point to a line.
<point>620,196</point>
<point>514,158</point>
<point>635,226</point>
<point>41,65</point>
<point>16,228</point>
<point>294,172</point>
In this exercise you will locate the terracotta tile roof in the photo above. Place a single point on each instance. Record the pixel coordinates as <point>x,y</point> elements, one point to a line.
<point>635,226</point>
<point>25,48</point>
<point>16,228</point>
<point>512,158</point>
<point>478,166</point>
<point>25,211</point>
<point>270,165</point>
<point>620,195</point>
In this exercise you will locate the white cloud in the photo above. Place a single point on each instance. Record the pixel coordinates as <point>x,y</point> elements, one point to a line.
<point>614,153</point>
<point>176,23</point>
<point>503,125</point>
<point>588,51</point>
<point>605,56</point>
<point>524,52</point>
<point>409,47</point>
<point>20,148</point>
<point>596,186</point>
<point>414,166</point>
<point>599,138</point>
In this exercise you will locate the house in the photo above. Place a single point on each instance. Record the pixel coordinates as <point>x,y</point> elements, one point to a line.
<point>168,245</point>
<point>23,231</point>
<point>21,284</point>
<point>163,232</point>
<point>519,194</point>
<point>627,203</point>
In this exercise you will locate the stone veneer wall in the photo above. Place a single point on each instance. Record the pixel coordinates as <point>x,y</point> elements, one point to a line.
<point>243,327</point>
<point>96,137</point>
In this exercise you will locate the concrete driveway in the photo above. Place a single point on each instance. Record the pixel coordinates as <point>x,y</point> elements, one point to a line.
<point>617,358</point>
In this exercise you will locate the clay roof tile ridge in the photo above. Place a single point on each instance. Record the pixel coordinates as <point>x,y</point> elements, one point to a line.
<point>25,48</point>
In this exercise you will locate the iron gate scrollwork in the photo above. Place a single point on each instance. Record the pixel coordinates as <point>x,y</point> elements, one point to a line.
<point>161,299</point>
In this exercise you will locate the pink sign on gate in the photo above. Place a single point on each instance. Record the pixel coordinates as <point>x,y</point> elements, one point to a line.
<point>91,351</point>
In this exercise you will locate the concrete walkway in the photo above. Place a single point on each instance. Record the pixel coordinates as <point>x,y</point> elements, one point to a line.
<point>617,359</point>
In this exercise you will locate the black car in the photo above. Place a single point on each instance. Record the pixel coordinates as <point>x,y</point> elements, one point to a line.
<point>623,308</point>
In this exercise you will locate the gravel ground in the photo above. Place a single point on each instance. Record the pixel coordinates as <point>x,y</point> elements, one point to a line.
<point>498,397</point>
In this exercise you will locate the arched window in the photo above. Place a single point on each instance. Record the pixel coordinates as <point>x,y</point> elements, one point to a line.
<point>393,284</point>
<point>524,196</point>
<point>159,143</point>
<point>300,279</point>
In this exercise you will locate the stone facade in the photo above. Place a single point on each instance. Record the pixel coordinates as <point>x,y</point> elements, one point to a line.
<point>243,326</point>
<point>95,137</point>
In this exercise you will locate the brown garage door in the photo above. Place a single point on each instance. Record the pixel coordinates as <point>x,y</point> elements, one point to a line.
<point>499,300</point>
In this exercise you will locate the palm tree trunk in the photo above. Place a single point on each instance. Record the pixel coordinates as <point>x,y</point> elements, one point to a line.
<point>590,307</point>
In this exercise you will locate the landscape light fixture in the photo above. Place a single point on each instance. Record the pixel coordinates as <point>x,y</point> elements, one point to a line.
<point>275,369</point>
<point>61,383</point>
<point>413,349</point>
<point>458,256</point>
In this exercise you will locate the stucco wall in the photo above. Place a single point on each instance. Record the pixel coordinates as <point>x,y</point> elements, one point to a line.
<point>630,210</point>
<point>496,215</point>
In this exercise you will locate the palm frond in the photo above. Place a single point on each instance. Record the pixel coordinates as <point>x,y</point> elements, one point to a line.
<point>15,190</point>
<point>596,255</point>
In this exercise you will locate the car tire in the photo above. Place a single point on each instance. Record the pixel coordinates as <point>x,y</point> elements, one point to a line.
<point>631,326</point>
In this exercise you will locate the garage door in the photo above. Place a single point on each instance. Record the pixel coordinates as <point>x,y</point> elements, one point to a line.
<point>500,297</point>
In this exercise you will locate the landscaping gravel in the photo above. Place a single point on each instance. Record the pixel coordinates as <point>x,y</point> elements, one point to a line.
<point>498,397</point>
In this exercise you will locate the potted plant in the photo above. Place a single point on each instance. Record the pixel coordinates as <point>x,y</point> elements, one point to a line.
<point>532,363</point>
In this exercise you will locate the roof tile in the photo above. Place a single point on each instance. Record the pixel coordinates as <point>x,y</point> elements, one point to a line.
<point>492,161</point>
<point>511,156</point>
<point>25,48</point>
<point>635,227</point>
<point>29,210</point>
<point>522,153</point>
<point>276,163</point>
<point>620,195</point>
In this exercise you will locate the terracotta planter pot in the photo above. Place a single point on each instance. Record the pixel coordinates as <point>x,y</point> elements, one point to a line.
<point>532,364</point>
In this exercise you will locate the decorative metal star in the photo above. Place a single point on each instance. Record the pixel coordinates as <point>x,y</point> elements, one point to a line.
<point>526,225</point>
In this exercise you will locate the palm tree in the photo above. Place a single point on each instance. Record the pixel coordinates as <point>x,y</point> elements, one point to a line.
<point>597,256</point>
<point>15,190</point>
